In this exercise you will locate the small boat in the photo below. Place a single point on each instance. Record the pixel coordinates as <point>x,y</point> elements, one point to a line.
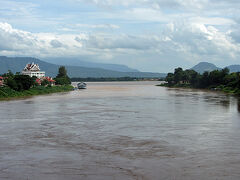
<point>82,85</point>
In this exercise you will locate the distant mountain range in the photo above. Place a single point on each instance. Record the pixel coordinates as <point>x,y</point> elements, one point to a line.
<point>205,66</point>
<point>234,68</point>
<point>79,62</point>
<point>16,64</point>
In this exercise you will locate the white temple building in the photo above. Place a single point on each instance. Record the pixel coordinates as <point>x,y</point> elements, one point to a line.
<point>33,70</point>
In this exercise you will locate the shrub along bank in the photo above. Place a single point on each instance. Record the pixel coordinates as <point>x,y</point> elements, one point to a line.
<point>216,80</point>
<point>8,93</point>
<point>23,85</point>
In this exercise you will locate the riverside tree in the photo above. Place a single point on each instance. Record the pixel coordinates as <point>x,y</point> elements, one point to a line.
<point>62,77</point>
<point>216,79</point>
<point>20,82</point>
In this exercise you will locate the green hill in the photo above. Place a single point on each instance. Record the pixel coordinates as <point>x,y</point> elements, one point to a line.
<point>234,68</point>
<point>16,64</point>
<point>205,66</point>
<point>79,62</point>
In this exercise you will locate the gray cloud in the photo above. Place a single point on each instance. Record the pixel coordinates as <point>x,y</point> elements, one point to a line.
<point>56,44</point>
<point>121,42</point>
<point>78,39</point>
<point>235,33</point>
<point>236,36</point>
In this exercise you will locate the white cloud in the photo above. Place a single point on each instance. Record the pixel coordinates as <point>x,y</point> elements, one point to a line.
<point>18,42</point>
<point>213,20</point>
<point>205,42</point>
<point>12,39</point>
<point>184,39</point>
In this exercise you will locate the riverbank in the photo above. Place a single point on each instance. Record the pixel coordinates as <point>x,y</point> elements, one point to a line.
<point>222,88</point>
<point>7,93</point>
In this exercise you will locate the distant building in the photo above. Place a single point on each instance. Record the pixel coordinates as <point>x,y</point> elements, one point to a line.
<point>33,70</point>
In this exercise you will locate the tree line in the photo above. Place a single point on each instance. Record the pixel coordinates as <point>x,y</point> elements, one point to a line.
<point>217,79</point>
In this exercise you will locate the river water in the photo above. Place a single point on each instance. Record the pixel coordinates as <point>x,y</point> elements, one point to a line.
<point>121,131</point>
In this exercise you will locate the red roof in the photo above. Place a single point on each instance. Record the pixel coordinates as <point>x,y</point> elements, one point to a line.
<point>1,77</point>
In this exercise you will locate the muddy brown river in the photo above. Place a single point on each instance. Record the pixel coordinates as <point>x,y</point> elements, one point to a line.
<point>121,131</point>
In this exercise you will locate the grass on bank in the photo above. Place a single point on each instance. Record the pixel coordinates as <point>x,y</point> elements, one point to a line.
<point>7,93</point>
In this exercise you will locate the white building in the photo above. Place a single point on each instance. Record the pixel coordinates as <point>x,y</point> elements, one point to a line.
<point>33,70</point>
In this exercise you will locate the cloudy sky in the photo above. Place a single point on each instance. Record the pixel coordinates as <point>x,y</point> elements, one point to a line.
<point>150,35</point>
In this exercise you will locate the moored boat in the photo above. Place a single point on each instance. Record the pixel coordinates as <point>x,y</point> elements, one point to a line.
<point>82,85</point>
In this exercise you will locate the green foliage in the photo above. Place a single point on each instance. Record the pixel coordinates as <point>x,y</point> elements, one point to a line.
<point>170,78</point>
<point>45,82</point>
<point>23,85</point>
<point>204,80</point>
<point>194,77</point>
<point>24,82</point>
<point>62,72</point>
<point>18,82</point>
<point>7,92</point>
<point>10,82</point>
<point>178,75</point>
<point>232,80</point>
<point>62,77</point>
<point>62,81</point>
<point>9,74</point>
<point>217,79</point>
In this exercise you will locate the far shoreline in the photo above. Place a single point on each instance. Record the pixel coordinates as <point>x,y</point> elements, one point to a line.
<point>114,79</point>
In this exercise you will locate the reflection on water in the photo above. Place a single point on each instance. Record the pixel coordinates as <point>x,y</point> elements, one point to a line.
<point>121,130</point>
